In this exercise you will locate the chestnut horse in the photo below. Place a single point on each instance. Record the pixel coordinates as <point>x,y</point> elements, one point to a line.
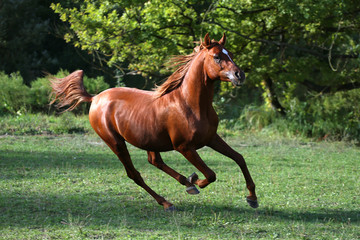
<point>178,115</point>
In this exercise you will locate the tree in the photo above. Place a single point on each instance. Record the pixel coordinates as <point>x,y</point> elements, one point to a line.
<point>297,53</point>
<point>302,55</point>
<point>134,36</point>
<point>312,45</point>
<point>29,42</point>
<point>293,46</point>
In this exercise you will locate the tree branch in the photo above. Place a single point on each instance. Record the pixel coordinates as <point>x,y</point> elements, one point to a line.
<point>330,89</point>
<point>284,44</point>
<point>247,11</point>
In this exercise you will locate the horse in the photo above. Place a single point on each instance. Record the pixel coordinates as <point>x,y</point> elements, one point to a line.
<point>177,115</point>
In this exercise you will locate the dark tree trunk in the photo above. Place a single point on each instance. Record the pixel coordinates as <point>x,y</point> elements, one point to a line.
<point>274,101</point>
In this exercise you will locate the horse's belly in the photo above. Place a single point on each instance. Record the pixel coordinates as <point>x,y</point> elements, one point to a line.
<point>144,131</point>
<point>150,141</point>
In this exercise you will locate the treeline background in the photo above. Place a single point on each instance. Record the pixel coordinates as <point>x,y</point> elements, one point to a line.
<point>301,58</point>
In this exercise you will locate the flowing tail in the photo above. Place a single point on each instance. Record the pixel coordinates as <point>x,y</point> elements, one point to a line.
<point>69,90</point>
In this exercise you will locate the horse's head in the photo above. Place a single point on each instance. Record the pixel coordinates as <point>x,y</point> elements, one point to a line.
<point>219,64</point>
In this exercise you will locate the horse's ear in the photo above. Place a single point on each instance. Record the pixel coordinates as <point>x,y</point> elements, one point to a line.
<point>207,41</point>
<point>223,40</point>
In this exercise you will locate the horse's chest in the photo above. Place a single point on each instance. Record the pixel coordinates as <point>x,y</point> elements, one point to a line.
<point>200,130</point>
<point>204,130</point>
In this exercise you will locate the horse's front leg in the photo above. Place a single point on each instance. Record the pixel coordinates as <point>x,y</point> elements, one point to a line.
<point>219,145</point>
<point>193,157</point>
<point>155,159</point>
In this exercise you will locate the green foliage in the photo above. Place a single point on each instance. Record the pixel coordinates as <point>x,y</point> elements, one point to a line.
<point>334,116</point>
<point>277,38</point>
<point>323,117</point>
<point>257,117</point>
<point>39,92</point>
<point>16,98</point>
<point>14,95</point>
<point>68,123</point>
<point>31,41</point>
<point>95,85</point>
<point>291,51</point>
<point>134,35</point>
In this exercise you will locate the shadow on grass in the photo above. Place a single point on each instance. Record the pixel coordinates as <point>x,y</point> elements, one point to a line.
<point>131,209</point>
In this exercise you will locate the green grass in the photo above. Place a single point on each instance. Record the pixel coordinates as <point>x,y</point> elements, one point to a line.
<point>34,124</point>
<point>73,187</point>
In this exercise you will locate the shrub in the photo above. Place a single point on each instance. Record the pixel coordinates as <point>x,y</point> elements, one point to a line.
<point>17,98</point>
<point>335,116</point>
<point>14,95</point>
<point>39,95</point>
<point>257,117</point>
<point>95,85</point>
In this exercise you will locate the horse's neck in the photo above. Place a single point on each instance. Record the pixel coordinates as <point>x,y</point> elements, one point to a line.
<point>196,91</point>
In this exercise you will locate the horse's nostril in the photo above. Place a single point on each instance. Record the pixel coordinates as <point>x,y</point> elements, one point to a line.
<point>237,74</point>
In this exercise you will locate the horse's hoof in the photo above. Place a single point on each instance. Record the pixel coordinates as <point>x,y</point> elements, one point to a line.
<point>192,190</point>
<point>193,177</point>
<point>170,209</point>
<point>252,203</point>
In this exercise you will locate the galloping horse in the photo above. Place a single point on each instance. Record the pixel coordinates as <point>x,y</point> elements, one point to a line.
<point>178,115</point>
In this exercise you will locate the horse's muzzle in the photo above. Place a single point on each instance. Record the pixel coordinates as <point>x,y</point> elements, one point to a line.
<point>238,79</point>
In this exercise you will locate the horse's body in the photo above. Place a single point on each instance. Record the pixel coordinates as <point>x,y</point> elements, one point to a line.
<point>177,116</point>
<point>144,120</point>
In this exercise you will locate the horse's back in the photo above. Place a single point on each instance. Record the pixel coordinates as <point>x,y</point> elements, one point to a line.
<point>123,94</point>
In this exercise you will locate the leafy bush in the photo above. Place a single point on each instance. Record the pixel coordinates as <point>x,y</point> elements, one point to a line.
<point>39,95</point>
<point>14,95</point>
<point>257,117</point>
<point>324,116</point>
<point>95,85</point>
<point>335,116</point>
<point>17,98</point>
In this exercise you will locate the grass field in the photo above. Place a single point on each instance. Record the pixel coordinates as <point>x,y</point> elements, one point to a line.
<point>73,187</point>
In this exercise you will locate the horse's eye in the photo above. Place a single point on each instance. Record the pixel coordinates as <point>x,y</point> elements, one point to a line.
<point>217,58</point>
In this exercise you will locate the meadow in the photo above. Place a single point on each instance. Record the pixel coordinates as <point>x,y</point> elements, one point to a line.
<point>71,186</point>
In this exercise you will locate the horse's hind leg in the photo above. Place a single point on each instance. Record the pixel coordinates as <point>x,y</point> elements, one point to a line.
<point>155,159</point>
<point>120,149</point>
